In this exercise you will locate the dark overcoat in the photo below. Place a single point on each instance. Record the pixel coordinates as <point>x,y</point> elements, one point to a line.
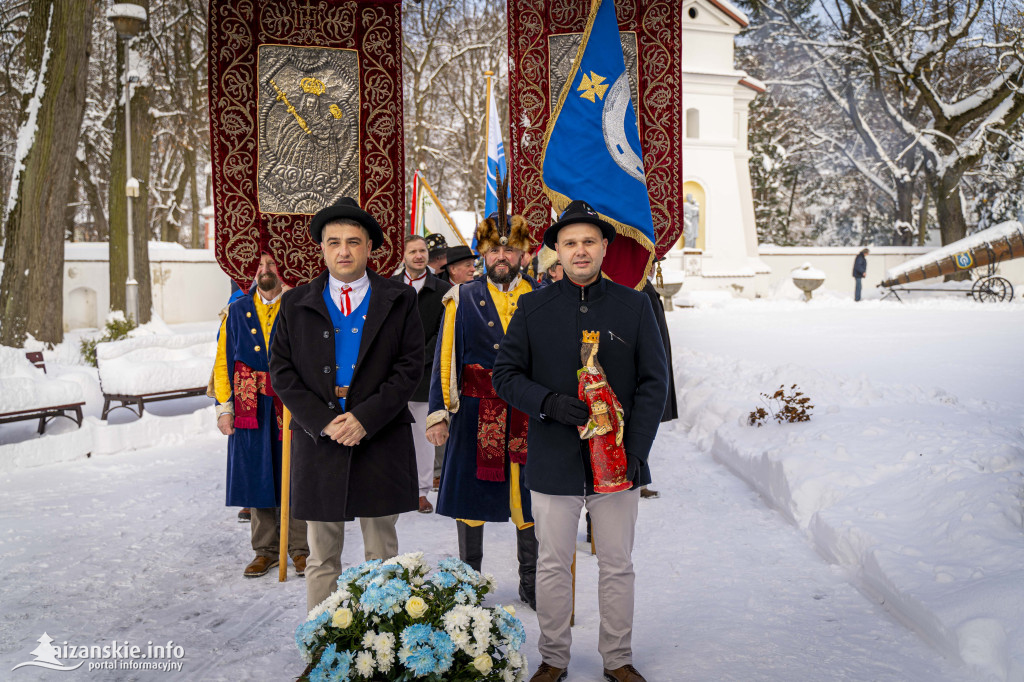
<point>332,482</point>
<point>671,408</point>
<point>428,301</point>
<point>540,354</point>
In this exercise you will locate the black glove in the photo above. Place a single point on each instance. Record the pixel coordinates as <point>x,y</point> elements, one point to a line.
<point>565,409</point>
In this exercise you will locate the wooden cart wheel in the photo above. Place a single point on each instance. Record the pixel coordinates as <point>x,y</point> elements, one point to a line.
<point>992,289</point>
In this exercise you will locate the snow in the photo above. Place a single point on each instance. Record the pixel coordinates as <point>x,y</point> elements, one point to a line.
<point>882,540</point>
<point>157,362</point>
<point>805,271</point>
<point>127,9</point>
<point>26,387</point>
<point>992,234</point>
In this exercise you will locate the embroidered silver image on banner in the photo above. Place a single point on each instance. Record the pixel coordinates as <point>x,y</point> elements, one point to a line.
<point>308,127</point>
<point>562,49</point>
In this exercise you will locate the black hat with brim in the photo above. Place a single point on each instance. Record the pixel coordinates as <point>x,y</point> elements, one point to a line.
<point>346,208</point>
<point>578,211</point>
<point>459,253</point>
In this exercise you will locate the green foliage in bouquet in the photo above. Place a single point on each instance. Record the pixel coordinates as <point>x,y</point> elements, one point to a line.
<point>392,621</point>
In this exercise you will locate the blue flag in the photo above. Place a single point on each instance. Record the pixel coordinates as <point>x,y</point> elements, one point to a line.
<point>495,156</point>
<point>592,148</point>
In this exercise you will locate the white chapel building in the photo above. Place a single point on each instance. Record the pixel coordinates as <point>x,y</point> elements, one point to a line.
<point>719,249</point>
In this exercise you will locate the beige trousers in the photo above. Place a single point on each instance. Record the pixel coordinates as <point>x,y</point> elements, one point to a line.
<point>266,533</point>
<point>424,450</point>
<point>327,539</point>
<point>613,518</point>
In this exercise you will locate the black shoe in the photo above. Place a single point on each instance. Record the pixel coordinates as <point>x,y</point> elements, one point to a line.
<point>526,551</point>
<point>244,515</point>
<point>471,544</point>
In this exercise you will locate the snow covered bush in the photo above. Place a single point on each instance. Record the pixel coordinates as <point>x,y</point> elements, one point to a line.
<point>783,407</point>
<point>391,621</point>
<point>117,327</point>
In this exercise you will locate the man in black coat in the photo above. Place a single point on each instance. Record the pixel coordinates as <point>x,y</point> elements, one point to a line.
<point>536,372</point>
<point>346,358</point>
<point>860,268</point>
<point>429,292</point>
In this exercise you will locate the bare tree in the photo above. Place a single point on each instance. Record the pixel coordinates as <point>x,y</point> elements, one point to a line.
<point>52,103</point>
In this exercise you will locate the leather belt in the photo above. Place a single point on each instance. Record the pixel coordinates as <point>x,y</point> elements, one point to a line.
<point>341,391</point>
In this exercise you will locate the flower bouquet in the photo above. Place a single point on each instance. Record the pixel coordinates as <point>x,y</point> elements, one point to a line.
<point>392,621</point>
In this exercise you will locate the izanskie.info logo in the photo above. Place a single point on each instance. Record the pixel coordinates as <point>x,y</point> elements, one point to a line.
<point>113,656</point>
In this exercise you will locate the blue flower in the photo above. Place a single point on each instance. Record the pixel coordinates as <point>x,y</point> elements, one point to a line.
<point>443,579</point>
<point>306,634</point>
<point>333,666</point>
<point>511,628</point>
<point>426,650</point>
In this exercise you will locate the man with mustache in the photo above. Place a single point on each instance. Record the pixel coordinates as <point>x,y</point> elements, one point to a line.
<point>481,479</point>
<point>249,414</point>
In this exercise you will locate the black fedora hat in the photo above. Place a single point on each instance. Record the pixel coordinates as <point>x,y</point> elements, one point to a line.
<point>346,208</point>
<point>459,253</point>
<point>577,211</point>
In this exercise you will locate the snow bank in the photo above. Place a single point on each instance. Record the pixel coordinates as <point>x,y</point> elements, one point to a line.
<point>24,387</point>
<point>916,492</point>
<point>154,363</point>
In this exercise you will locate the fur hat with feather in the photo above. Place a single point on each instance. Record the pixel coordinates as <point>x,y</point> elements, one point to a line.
<point>501,229</point>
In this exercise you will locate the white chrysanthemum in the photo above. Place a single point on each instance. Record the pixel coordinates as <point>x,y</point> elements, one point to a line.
<point>411,560</point>
<point>385,643</point>
<point>461,640</point>
<point>385,661</point>
<point>369,639</point>
<point>365,663</point>
<point>457,617</point>
<point>508,675</point>
<point>418,581</point>
<point>516,659</point>
<point>490,581</point>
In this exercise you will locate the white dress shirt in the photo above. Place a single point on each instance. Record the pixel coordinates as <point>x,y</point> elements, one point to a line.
<point>360,287</point>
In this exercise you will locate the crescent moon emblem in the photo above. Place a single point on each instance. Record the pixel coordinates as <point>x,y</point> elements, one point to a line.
<point>613,126</point>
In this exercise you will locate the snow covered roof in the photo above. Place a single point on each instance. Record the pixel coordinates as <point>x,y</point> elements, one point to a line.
<point>966,244</point>
<point>732,11</point>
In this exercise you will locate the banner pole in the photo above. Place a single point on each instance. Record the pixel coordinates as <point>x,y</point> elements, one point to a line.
<point>286,475</point>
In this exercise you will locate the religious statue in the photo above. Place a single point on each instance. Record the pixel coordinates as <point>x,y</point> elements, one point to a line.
<point>606,425</point>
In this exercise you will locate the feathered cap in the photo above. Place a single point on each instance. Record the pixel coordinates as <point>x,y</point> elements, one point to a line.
<point>502,229</point>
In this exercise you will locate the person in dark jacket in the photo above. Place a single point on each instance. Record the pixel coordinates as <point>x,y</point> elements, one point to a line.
<point>860,268</point>
<point>437,250</point>
<point>429,292</point>
<point>346,358</point>
<point>536,372</point>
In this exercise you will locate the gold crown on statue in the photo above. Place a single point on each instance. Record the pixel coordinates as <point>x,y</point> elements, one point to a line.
<point>313,85</point>
<point>591,337</point>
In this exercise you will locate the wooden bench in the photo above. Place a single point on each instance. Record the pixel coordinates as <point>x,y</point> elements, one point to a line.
<point>139,400</point>
<point>72,411</point>
<point>149,369</point>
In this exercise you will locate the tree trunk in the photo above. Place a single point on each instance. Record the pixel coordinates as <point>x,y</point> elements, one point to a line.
<point>142,129</point>
<point>190,168</point>
<point>93,195</point>
<point>31,291</point>
<point>949,210</point>
<point>922,229</point>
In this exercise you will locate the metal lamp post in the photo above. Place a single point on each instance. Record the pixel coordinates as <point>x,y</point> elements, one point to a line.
<point>128,20</point>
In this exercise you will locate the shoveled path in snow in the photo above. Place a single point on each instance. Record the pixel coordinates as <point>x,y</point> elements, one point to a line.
<point>138,547</point>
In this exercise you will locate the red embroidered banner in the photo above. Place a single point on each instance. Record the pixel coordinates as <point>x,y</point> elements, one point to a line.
<point>539,40</point>
<point>305,107</point>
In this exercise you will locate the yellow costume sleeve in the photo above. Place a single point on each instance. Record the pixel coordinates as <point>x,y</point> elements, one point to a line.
<point>221,383</point>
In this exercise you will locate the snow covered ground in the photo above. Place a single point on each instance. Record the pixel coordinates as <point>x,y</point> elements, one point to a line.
<point>908,479</point>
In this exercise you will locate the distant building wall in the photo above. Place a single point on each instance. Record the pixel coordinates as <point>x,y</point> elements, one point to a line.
<point>188,285</point>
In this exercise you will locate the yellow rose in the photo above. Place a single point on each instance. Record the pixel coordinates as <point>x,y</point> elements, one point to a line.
<point>416,607</point>
<point>511,609</point>
<point>342,618</point>
<point>483,663</point>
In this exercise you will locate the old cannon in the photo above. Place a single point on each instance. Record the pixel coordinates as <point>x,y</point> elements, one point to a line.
<point>985,249</point>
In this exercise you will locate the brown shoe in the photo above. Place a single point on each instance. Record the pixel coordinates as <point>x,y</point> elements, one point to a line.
<point>548,673</point>
<point>626,673</point>
<point>437,483</point>
<point>649,494</point>
<point>299,560</point>
<point>260,566</point>
<point>244,515</point>
<point>425,506</point>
